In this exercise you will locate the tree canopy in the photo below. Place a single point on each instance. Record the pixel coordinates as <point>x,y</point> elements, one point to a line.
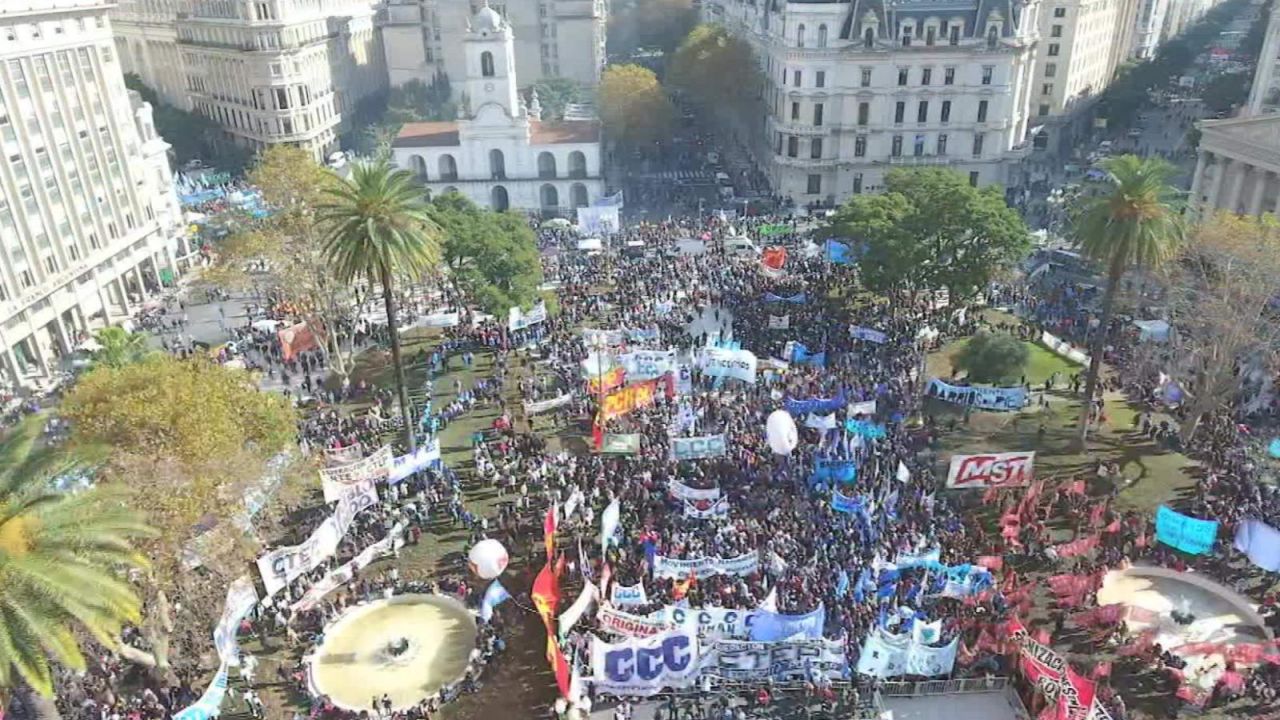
<point>930,230</point>
<point>119,347</point>
<point>634,108</point>
<point>989,357</point>
<point>555,93</point>
<point>492,256</point>
<point>649,24</point>
<point>715,68</point>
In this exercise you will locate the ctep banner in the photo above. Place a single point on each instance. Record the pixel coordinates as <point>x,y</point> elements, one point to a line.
<point>283,565</point>
<point>998,470</point>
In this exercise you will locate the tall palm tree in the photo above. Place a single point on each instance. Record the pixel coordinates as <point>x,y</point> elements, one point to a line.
<point>377,226</point>
<point>61,555</point>
<point>1136,224</point>
<point>118,347</point>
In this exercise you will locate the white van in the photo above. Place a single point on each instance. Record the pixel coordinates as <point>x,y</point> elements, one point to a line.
<point>739,246</point>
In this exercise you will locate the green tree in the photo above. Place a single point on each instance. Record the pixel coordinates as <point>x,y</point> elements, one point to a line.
<point>554,93</point>
<point>378,227</point>
<point>1135,222</point>
<point>930,230</point>
<point>62,562</point>
<point>633,106</point>
<point>715,69</point>
<point>649,24</point>
<point>492,256</point>
<point>992,357</point>
<point>1223,93</point>
<point>119,347</point>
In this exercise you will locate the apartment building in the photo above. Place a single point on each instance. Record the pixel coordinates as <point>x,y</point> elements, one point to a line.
<point>268,71</point>
<point>553,38</point>
<point>854,89</point>
<point>1148,29</point>
<point>89,222</point>
<point>1264,96</point>
<point>1082,42</point>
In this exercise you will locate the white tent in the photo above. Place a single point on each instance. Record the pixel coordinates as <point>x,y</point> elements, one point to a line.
<point>588,244</point>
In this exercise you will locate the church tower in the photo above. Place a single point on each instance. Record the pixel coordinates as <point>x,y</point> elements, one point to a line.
<point>491,67</point>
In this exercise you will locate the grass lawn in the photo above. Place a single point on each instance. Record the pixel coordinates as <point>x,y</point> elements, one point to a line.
<point>1041,363</point>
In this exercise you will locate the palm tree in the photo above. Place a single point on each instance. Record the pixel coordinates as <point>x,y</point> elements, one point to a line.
<point>377,226</point>
<point>1136,223</point>
<point>61,554</point>
<point>118,347</point>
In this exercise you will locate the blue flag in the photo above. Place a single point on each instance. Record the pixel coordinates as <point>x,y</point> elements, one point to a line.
<point>866,428</point>
<point>842,583</point>
<point>494,596</point>
<point>838,253</point>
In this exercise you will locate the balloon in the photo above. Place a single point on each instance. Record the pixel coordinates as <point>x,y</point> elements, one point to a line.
<point>488,558</point>
<point>781,432</point>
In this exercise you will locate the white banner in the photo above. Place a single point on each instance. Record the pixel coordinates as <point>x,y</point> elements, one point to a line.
<point>779,322</point>
<point>282,565</point>
<point>821,422</point>
<point>1064,348</point>
<point>570,617</point>
<point>406,465</point>
<point>629,625</point>
<point>344,574</point>
<point>1014,469</point>
<point>884,655</point>
<point>643,667</point>
<point>602,220</point>
<point>721,362</point>
<point>541,406</point>
<point>241,598</point>
<point>680,491</point>
<point>866,407</point>
<point>375,467</point>
<point>594,338</point>
<point>517,319</point>
<point>648,364</point>
<point>861,333</point>
<point>628,595</point>
<point>705,567</point>
<point>342,456</point>
<point>701,446</point>
<point>712,622</point>
<point>440,319</point>
<point>779,661</point>
<point>706,510</point>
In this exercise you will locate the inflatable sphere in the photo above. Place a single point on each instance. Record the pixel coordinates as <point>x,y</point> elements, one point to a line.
<point>488,559</point>
<point>780,430</point>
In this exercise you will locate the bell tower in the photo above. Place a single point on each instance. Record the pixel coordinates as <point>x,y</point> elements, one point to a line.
<point>491,69</point>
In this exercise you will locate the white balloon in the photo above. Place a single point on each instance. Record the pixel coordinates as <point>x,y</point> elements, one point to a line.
<point>488,559</point>
<point>781,432</point>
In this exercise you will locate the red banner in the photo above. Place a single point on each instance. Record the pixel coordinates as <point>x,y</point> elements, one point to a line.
<point>1074,694</point>
<point>1076,547</point>
<point>295,339</point>
<point>774,257</point>
<point>634,397</point>
<point>607,382</point>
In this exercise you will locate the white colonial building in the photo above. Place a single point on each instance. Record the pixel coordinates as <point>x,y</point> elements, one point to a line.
<point>1238,168</point>
<point>89,222</point>
<point>499,152</point>
<point>854,89</point>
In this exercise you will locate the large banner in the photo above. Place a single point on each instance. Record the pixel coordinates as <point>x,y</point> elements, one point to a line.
<point>628,595</point>
<point>629,625</point>
<point>723,362</point>
<point>779,322</point>
<point>865,407</point>
<point>817,406</point>
<point>241,598</point>
<point>346,573</point>
<point>872,336</point>
<point>886,655</point>
<point>1188,534</point>
<point>598,220</point>
<point>680,491</point>
<point>632,397</point>
<point>1051,674</point>
<point>706,510</point>
<point>772,626</point>
<point>712,622</point>
<point>541,406</point>
<point>1261,543</point>
<point>643,667</point>
<point>597,338</point>
<point>343,455</point>
<point>778,661</point>
<point>1064,348</point>
<point>999,470</point>
<point>797,299</point>
<point>406,465</point>
<point>607,381</point>
<point>705,567</point>
<point>621,444</point>
<point>702,446</point>
<point>335,480</point>
<point>648,364</point>
<point>517,319</point>
<point>283,565</point>
<point>983,398</point>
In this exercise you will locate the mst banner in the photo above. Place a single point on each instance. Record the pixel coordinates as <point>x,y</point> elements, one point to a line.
<point>643,667</point>
<point>998,470</point>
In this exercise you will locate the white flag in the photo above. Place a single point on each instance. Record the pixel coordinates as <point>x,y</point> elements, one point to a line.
<point>903,473</point>
<point>609,521</point>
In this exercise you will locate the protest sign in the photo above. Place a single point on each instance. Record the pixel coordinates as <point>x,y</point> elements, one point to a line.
<point>797,299</point>
<point>283,565</point>
<point>705,567</point>
<point>1188,534</point>
<point>1000,470</point>
<point>629,625</point>
<point>820,406</point>
<point>680,491</point>
<point>406,465</point>
<point>867,334</point>
<point>621,444</point>
<point>983,398</point>
<point>625,595</point>
<point>712,622</point>
<point>518,319</point>
<point>648,364</point>
<point>1261,543</point>
<point>702,446</point>
<point>706,510</point>
<point>866,407</point>
<point>541,406</point>
<point>723,362</point>
<point>771,626</point>
<point>336,479</point>
<point>778,661</point>
<point>1063,348</point>
<point>632,397</point>
<point>779,322</point>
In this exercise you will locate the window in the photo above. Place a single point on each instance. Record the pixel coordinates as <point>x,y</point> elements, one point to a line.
<point>815,148</point>
<point>922,111</point>
<point>814,184</point>
<point>779,144</point>
<point>896,150</point>
<point>987,72</point>
<point>795,111</point>
<point>982,111</point>
<point>978,140</point>
<point>949,76</point>
<point>899,111</point>
<point>820,80</point>
<point>993,36</point>
<point>902,76</point>
<point>795,78</point>
<point>822,36</point>
<point>800,35</point>
<point>1046,89</point>
<point>486,64</point>
<point>864,113</point>
<point>954,37</point>
<point>942,143</point>
<point>866,77</point>
<point>817,114</point>
<point>1053,49</point>
<point>1055,31</point>
<point>1059,12</point>
<point>917,148</point>
<point>926,76</point>
<point>19,78</point>
<point>946,111</point>
<point>1050,70</point>
<point>793,146</point>
<point>1043,109</point>
<point>857,183</point>
<point>930,35</point>
<point>973,178</point>
<point>906,35</point>
<point>869,38</point>
<point>860,146</point>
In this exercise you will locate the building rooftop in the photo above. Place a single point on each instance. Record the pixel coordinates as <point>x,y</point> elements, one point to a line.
<point>427,134</point>
<point>565,131</point>
<point>1261,130</point>
<point>445,134</point>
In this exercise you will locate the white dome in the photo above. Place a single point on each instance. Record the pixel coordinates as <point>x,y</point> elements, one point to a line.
<point>486,19</point>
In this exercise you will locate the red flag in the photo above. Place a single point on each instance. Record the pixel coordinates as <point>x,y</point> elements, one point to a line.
<point>559,665</point>
<point>1114,527</point>
<point>549,531</point>
<point>606,574</point>
<point>994,563</point>
<point>546,596</point>
<point>597,436</point>
<point>1086,690</point>
<point>774,257</point>
<point>1076,488</point>
<point>1077,547</point>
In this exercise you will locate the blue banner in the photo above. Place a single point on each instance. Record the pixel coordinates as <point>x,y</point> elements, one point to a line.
<point>827,469</point>
<point>802,356</point>
<point>797,299</point>
<point>702,446</point>
<point>983,398</point>
<point>1188,534</point>
<point>845,503</point>
<point>1261,543</point>
<point>1274,448</point>
<point>866,428</point>
<point>817,406</point>
<point>861,333</point>
<point>772,626</point>
<point>838,253</point>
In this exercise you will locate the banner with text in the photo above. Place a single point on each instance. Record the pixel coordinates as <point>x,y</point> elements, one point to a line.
<point>998,470</point>
<point>644,667</point>
<point>702,446</point>
<point>983,398</point>
<point>373,468</point>
<point>705,567</point>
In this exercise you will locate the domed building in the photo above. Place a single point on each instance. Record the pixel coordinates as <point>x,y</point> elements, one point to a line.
<point>500,153</point>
